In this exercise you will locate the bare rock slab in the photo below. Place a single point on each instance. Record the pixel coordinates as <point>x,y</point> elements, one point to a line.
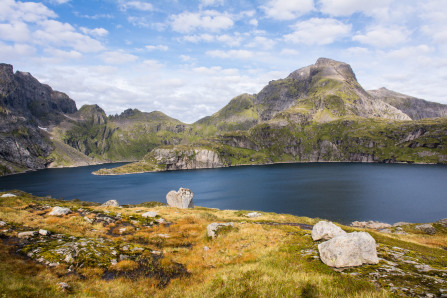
<point>370,225</point>
<point>353,249</point>
<point>213,228</point>
<point>59,211</point>
<point>149,214</point>
<point>181,198</point>
<point>426,228</point>
<point>325,230</point>
<point>111,203</point>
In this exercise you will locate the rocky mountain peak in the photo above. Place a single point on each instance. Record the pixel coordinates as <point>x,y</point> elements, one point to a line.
<point>325,67</point>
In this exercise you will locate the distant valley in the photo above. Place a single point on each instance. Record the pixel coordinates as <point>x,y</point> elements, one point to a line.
<point>318,113</point>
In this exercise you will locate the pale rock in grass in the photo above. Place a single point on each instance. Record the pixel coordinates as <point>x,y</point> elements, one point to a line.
<point>8,195</point>
<point>63,286</point>
<point>325,230</point>
<point>442,222</point>
<point>426,228</point>
<point>254,214</point>
<point>401,223</point>
<point>181,198</point>
<point>111,203</point>
<point>2,223</point>
<point>353,249</point>
<point>59,211</point>
<point>370,225</point>
<point>27,234</point>
<point>149,214</point>
<point>44,232</point>
<point>213,228</point>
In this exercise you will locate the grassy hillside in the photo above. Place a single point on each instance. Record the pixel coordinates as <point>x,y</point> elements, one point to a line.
<point>115,252</point>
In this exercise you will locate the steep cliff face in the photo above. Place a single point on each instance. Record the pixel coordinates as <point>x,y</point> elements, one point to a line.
<point>25,95</point>
<point>414,107</point>
<point>187,159</point>
<point>22,146</point>
<point>27,107</point>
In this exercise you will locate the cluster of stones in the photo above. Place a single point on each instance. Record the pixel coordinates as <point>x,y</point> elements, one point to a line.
<point>344,249</point>
<point>397,227</point>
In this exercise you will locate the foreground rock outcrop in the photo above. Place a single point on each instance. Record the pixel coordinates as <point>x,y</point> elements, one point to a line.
<point>324,230</point>
<point>181,198</point>
<point>352,249</point>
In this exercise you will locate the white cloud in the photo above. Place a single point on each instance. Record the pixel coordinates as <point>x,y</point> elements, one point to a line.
<point>158,47</point>
<point>262,43</point>
<point>24,11</point>
<point>348,7</point>
<point>383,37</point>
<point>63,34</point>
<point>117,57</point>
<point>138,5</point>
<point>416,52</point>
<point>16,51</point>
<point>198,38</point>
<point>289,52</point>
<point>208,20</point>
<point>230,40</point>
<point>239,54</point>
<point>253,22</point>
<point>59,1</point>
<point>433,13</point>
<point>138,21</point>
<point>16,31</point>
<point>287,9</point>
<point>57,53</point>
<point>357,51</point>
<point>204,3</point>
<point>100,32</point>
<point>317,31</point>
<point>185,58</point>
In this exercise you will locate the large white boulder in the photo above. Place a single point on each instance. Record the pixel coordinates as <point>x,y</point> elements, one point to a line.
<point>325,230</point>
<point>353,249</point>
<point>181,198</point>
<point>59,211</point>
<point>8,195</point>
<point>149,214</point>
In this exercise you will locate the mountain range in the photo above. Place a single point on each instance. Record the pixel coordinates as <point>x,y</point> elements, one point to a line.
<point>318,113</point>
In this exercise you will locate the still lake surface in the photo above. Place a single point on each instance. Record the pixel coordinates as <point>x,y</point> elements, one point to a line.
<point>342,192</point>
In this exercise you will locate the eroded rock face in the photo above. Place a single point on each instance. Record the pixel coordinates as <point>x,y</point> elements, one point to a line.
<point>213,228</point>
<point>353,249</point>
<point>181,198</point>
<point>149,214</point>
<point>188,159</point>
<point>59,211</point>
<point>325,230</point>
<point>370,225</point>
<point>111,203</point>
<point>426,228</point>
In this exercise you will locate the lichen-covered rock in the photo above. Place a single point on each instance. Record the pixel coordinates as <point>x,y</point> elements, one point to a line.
<point>27,234</point>
<point>401,223</point>
<point>370,225</point>
<point>353,249</point>
<point>8,195</point>
<point>44,232</point>
<point>2,223</point>
<point>443,222</point>
<point>254,214</point>
<point>426,228</point>
<point>59,211</point>
<point>186,159</point>
<point>213,228</point>
<point>181,198</point>
<point>111,203</point>
<point>325,230</point>
<point>149,214</point>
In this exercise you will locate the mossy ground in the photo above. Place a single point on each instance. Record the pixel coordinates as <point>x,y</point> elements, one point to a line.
<point>168,258</point>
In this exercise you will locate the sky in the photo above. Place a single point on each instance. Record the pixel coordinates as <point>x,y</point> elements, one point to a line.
<point>188,59</point>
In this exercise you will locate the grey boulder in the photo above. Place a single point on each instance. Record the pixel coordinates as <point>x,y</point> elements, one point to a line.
<point>213,228</point>
<point>181,198</point>
<point>27,234</point>
<point>426,228</point>
<point>353,249</point>
<point>111,203</point>
<point>59,211</point>
<point>370,225</point>
<point>8,195</point>
<point>325,230</point>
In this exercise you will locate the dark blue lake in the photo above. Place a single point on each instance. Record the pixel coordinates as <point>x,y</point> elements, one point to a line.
<point>343,192</point>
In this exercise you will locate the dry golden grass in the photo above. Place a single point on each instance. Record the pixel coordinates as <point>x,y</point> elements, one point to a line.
<point>249,260</point>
